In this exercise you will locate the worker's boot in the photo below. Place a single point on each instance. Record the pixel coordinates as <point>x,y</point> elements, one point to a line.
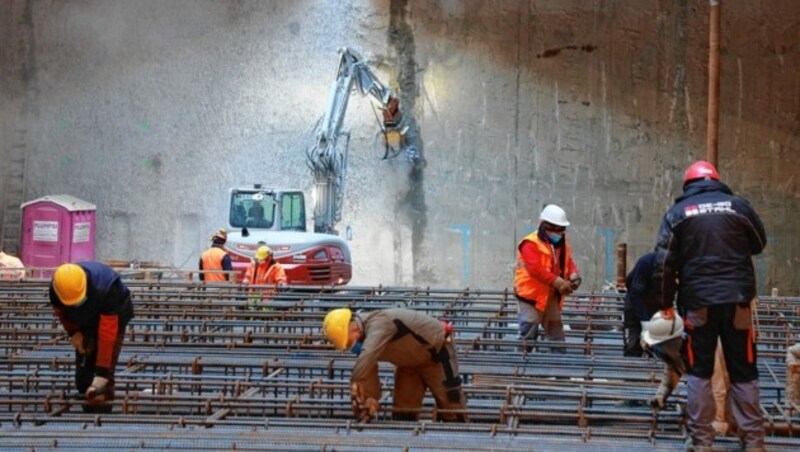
<point>669,381</point>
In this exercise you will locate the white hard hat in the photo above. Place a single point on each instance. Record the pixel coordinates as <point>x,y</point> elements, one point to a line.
<point>554,215</point>
<point>661,330</point>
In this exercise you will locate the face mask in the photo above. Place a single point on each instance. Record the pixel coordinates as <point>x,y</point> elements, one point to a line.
<point>554,238</point>
<point>356,348</point>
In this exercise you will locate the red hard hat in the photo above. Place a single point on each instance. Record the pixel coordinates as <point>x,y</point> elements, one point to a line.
<point>700,170</point>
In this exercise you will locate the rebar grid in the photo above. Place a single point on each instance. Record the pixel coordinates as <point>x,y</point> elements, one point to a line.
<point>195,357</point>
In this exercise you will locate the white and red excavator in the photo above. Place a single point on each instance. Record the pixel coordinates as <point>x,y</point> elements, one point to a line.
<point>277,216</point>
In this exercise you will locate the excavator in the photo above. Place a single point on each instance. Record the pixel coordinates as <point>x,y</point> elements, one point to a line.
<point>277,217</point>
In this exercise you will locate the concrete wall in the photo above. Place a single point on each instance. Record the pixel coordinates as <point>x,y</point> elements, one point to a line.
<point>153,109</point>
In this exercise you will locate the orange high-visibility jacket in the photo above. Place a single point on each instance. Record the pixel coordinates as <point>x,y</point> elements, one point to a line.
<point>530,288</point>
<point>265,274</point>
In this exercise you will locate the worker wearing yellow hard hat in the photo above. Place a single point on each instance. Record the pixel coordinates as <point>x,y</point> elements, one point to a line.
<point>420,347</point>
<point>264,270</point>
<point>94,306</point>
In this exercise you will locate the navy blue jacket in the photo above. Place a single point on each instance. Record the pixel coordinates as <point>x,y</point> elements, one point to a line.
<point>707,240</point>
<point>640,294</point>
<point>105,294</point>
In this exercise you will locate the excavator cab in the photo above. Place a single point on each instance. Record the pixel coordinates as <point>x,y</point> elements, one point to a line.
<point>277,217</point>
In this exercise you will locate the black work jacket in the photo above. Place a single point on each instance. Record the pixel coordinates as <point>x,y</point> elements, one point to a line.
<point>706,240</point>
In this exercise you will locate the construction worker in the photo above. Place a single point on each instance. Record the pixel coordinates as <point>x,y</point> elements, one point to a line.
<point>545,275</point>
<point>641,307</point>
<point>94,306</point>
<point>420,347</point>
<point>704,253</point>
<point>640,303</point>
<point>264,270</point>
<point>664,338</point>
<point>216,258</point>
<point>11,267</point>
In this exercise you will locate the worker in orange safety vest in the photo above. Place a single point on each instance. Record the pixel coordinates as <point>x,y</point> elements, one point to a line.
<point>264,270</point>
<point>216,258</point>
<point>545,275</point>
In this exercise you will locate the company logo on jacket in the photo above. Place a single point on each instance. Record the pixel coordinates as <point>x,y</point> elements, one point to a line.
<point>709,207</point>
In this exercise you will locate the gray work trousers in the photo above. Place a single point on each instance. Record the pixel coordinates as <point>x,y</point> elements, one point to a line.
<point>550,319</point>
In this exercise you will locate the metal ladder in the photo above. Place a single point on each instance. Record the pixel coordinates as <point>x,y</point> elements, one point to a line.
<point>13,193</point>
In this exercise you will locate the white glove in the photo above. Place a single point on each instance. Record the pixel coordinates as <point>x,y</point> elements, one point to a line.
<point>99,385</point>
<point>77,342</point>
<point>99,382</point>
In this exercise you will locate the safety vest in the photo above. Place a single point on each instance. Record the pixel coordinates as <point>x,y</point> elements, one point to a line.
<point>530,288</point>
<point>263,274</point>
<point>212,260</point>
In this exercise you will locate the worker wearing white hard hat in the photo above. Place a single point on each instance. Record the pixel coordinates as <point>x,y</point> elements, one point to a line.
<point>545,275</point>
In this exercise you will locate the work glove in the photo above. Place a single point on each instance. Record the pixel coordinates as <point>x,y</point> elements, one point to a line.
<point>369,410</point>
<point>76,340</point>
<point>364,409</point>
<point>99,391</point>
<point>575,281</point>
<point>562,286</point>
<point>356,398</point>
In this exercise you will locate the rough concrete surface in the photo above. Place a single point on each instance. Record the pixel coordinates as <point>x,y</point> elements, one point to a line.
<point>152,110</point>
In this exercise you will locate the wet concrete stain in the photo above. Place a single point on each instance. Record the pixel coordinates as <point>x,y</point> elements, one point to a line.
<point>401,39</point>
<point>549,53</point>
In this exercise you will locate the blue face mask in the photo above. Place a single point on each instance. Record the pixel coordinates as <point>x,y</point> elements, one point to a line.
<point>554,238</point>
<point>356,348</point>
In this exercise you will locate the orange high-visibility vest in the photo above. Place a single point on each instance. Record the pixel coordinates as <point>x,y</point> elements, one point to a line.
<point>212,260</point>
<point>530,288</point>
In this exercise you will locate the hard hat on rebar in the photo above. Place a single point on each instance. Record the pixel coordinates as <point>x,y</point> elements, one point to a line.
<point>660,329</point>
<point>554,215</point>
<point>700,170</point>
<point>69,282</point>
<point>336,327</point>
<point>262,252</point>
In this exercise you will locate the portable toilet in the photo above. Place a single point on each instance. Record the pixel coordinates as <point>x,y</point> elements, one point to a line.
<point>57,229</point>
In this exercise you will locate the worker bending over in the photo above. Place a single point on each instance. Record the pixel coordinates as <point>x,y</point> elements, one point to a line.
<point>420,347</point>
<point>94,306</point>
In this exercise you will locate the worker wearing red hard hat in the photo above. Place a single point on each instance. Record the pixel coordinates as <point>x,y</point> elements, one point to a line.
<point>704,253</point>
<point>420,347</point>
<point>94,307</point>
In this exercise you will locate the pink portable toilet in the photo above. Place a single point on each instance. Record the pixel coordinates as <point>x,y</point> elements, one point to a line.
<point>57,229</point>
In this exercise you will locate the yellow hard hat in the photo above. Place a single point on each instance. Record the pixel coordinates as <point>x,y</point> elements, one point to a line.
<point>262,252</point>
<point>69,282</point>
<point>336,327</point>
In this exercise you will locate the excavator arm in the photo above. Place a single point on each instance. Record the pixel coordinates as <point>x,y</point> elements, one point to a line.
<point>327,157</point>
